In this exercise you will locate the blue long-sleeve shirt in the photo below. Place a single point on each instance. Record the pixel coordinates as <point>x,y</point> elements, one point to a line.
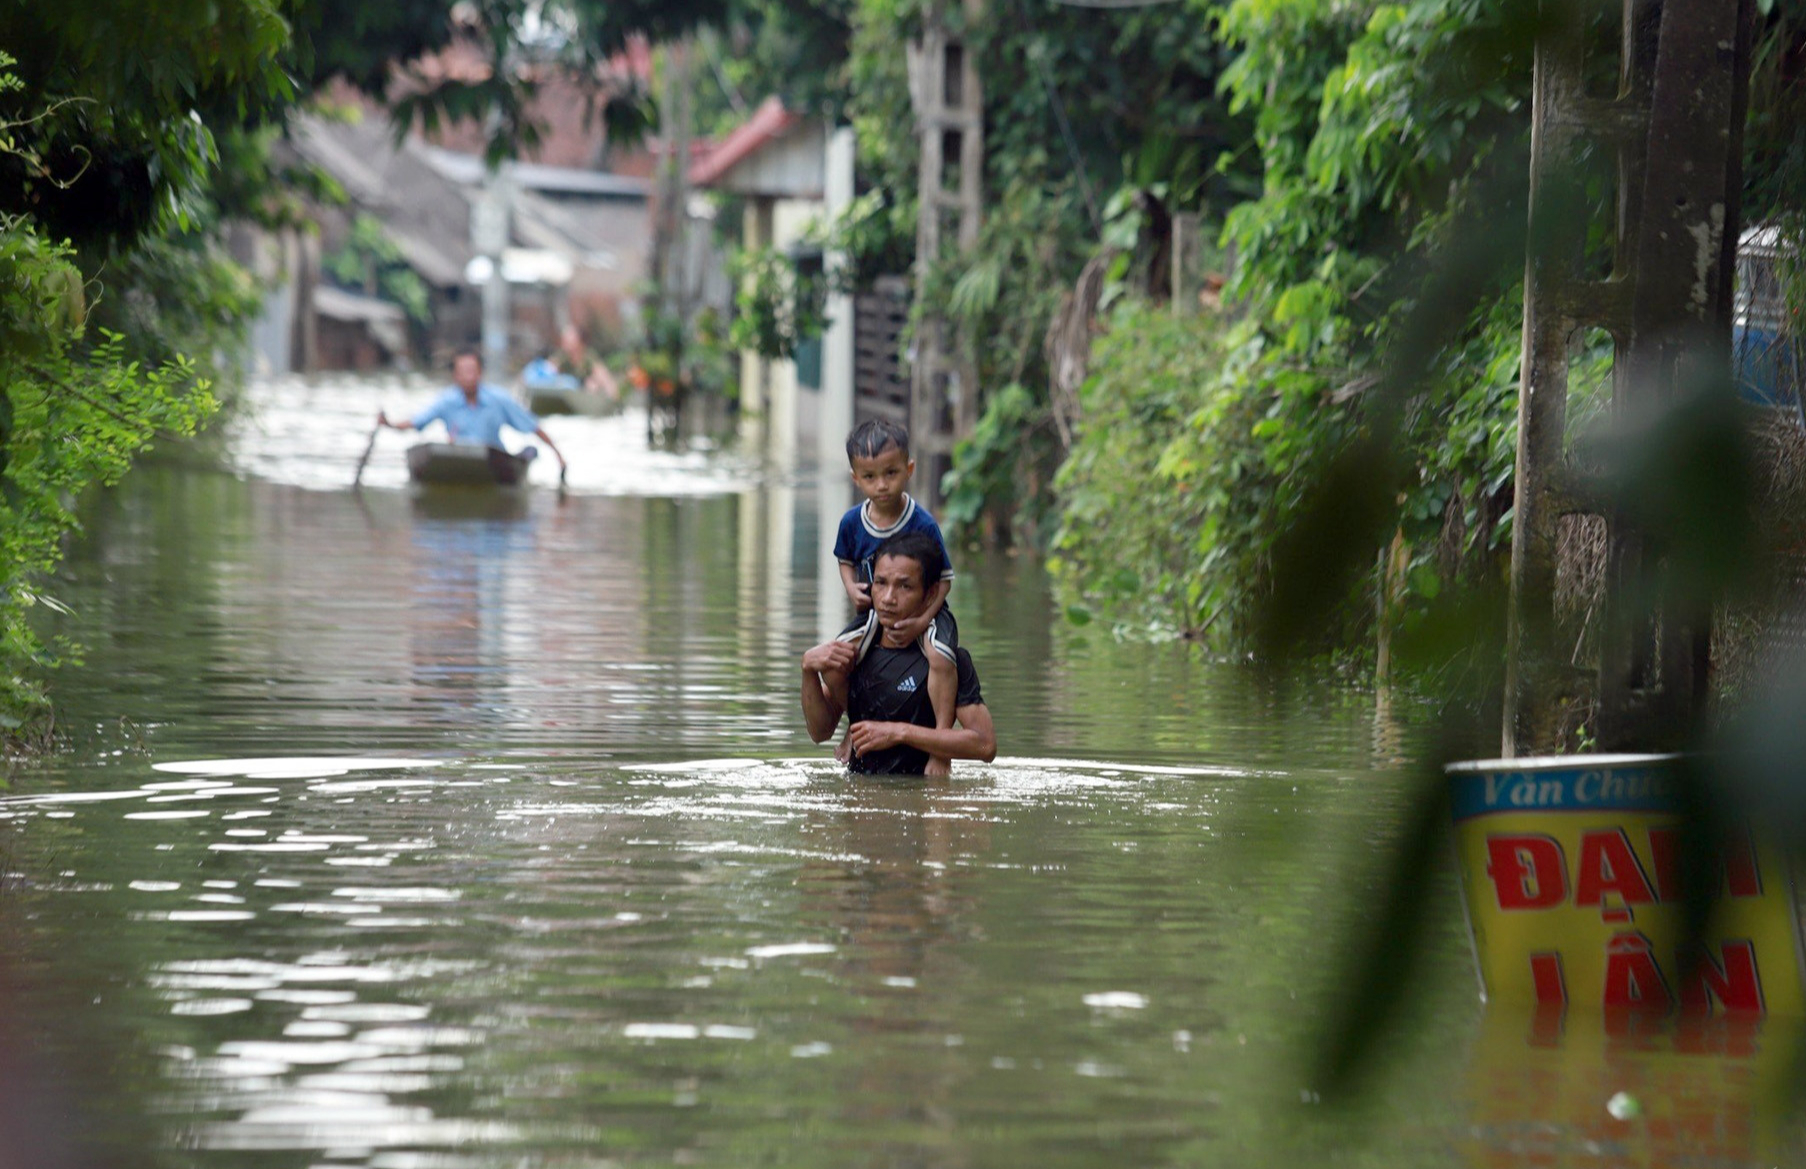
<point>479,424</point>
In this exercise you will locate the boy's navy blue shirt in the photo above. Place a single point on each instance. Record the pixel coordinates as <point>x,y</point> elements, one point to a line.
<point>859,538</point>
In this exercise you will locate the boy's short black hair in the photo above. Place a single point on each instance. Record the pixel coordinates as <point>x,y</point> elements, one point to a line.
<point>920,547</point>
<point>874,436</point>
<point>464,351</point>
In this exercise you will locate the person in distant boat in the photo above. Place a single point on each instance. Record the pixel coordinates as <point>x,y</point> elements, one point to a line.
<point>474,412</point>
<point>582,363</point>
<point>878,676</point>
<point>543,373</point>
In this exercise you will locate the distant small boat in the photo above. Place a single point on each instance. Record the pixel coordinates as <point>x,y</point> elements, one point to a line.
<point>548,390</point>
<point>446,464</point>
<point>549,400</point>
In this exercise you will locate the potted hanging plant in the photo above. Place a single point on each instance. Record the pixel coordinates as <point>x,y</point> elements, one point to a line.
<point>658,371</point>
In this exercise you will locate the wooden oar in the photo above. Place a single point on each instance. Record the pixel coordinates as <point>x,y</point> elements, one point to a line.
<point>358,478</point>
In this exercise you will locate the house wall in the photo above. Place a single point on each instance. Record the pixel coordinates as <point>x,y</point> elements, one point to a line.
<point>348,345</point>
<point>773,409</point>
<point>457,322</point>
<point>271,257</point>
<point>790,167</point>
<point>602,298</point>
<point>834,416</point>
<point>755,233</point>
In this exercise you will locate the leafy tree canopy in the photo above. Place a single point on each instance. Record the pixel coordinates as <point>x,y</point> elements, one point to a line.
<point>118,107</point>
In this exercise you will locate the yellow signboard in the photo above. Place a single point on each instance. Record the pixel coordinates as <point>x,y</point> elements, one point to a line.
<point>1571,871</point>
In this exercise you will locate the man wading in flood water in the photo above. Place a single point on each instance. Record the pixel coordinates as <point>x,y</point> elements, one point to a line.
<point>879,679</point>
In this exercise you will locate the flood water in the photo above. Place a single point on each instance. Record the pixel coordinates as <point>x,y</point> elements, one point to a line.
<point>414,834</point>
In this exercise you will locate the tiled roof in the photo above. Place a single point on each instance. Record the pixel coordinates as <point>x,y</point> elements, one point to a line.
<point>767,124</point>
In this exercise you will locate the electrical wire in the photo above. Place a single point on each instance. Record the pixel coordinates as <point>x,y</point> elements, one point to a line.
<point>1072,145</point>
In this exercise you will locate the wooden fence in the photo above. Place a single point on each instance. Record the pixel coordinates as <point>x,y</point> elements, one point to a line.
<point>880,379</point>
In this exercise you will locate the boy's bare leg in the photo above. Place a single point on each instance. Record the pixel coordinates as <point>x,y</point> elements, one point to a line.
<point>843,750</point>
<point>836,681</point>
<point>943,694</point>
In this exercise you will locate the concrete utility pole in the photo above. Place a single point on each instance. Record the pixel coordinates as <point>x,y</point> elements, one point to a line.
<point>1676,126</point>
<point>491,223</point>
<point>838,341</point>
<point>670,240</point>
<point>950,120</point>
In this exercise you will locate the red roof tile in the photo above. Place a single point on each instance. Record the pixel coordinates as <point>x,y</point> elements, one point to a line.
<point>767,124</point>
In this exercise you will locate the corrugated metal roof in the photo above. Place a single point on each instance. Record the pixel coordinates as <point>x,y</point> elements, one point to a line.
<point>422,195</point>
<point>426,214</point>
<point>342,305</point>
<point>469,170</point>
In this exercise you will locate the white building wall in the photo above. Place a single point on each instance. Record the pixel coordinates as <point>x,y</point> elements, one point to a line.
<point>791,221</point>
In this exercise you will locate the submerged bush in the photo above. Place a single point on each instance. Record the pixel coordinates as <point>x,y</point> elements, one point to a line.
<point>1199,432</point>
<point>1154,481</point>
<point>1375,128</point>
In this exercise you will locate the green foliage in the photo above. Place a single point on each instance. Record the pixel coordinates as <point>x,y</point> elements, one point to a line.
<point>878,101</point>
<point>135,132</point>
<point>712,356</point>
<point>1165,494</point>
<point>1375,125</point>
<point>120,106</point>
<point>781,303</point>
<point>70,416</point>
<point>1002,294</point>
<point>1080,102</point>
<point>580,36</point>
<point>1775,134</point>
<point>795,50</point>
<point>73,411</point>
<point>372,262</point>
<point>777,306</point>
<point>1367,121</point>
<point>988,463</point>
<point>1775,147</point>
<point>875,234</point>
<point>362,42</point>
<point>1198,437</point>
<point>180,297</point>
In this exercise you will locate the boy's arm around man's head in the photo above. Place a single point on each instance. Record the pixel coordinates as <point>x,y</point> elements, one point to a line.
<point>912,628</point>
<point>857,591</point>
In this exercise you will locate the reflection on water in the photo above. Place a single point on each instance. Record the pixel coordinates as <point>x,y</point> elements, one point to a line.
<point>1630,1088</point>
<point>398,833</point>
<point>367,954</point>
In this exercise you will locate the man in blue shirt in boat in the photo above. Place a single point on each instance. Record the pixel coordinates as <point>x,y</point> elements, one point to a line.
<point>474,412</point>
<point>878,676</point>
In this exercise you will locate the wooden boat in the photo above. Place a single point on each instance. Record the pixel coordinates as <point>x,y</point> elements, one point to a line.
<point>548,398</point>
<point>445,464</point>
<point>548,390</point>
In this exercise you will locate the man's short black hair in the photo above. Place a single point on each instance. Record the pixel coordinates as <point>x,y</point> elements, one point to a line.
<point>468,351</point>
<point>920,547</point>
<point>874,436</point>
